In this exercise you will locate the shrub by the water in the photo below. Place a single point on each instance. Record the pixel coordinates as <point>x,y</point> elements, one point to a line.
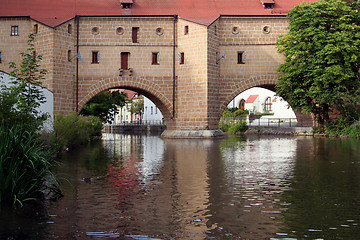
<point>24,165</point>
<point>238,126</point>
<point>353,130</point>
<point>72,129</point>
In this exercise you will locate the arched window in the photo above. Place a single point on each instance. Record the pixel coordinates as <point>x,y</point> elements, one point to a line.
<point>242,104</point>
<point>268,104</point>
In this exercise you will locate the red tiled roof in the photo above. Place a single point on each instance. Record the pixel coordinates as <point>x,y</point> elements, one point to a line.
<point>251,99</point>
<point>56,12</point>
<point>130,94</point>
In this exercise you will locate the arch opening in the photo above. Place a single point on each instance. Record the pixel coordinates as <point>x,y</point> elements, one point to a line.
<point>262,104</point>
<point>151,110</point>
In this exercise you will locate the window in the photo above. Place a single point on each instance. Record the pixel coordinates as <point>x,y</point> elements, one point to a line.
<point>215,30</point>
<point>159,31</point>
<point>95,57</point>
<point>69,29</point>
<point>156,110</point>
<point>268,104</point>
<point>119,31</point>
<point>152,110</point>
<point>0,57</point>
<point>266,29</point>
<point>36,28</point>
<point>186,30</point>
<point>135,31</point>
<point>69,55</point>
<point>125,60</point>
<point>240,58</point>
<point>155,58</point>
<point>182,58</point>
<point>127,4</point>
<point>14,30</point>
<point>95,30</point>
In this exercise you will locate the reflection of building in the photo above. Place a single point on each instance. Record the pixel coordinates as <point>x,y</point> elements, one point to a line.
<point>260,100</point>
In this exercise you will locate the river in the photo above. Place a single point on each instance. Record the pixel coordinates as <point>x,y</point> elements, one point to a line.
<point>240,187</point>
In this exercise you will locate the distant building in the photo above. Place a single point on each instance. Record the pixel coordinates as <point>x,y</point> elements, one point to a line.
<point>151,112</point>
<point>124,115</point>
<point>261,100</point>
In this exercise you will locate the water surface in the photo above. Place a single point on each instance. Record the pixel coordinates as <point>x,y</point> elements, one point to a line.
<point>145,187</point>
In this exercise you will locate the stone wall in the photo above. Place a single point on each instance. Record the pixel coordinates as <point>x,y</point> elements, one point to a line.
<point>204,84</point>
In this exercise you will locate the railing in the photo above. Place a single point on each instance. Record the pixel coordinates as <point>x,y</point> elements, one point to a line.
<point>142,122</point>
<point>271,122</point>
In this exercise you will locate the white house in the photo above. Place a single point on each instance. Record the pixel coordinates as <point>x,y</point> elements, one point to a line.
<point>261,100</point>
<point>151,112</point>
<point>46,107</point>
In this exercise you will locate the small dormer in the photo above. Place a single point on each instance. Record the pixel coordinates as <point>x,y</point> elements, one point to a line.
<point>268,4</point>
<point>127,4</point>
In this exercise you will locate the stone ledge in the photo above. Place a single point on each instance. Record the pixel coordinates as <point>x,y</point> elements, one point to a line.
<point>192,134</point>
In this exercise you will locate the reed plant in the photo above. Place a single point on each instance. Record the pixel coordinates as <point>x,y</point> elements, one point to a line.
<point>24,165</point>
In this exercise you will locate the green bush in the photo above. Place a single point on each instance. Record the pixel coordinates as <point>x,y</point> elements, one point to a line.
<point>72,129</point>
<point>353,130</point>
<point>224,125</point>
<point>238,126</point>
<point>24,164</point>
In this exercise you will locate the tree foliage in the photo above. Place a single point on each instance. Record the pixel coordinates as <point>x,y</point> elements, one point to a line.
<point>321,66</point>
<point>137,106</point>
<point>20,100</point>
<point>105,105</point>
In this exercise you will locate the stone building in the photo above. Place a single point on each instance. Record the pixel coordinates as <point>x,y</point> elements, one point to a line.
<point>189,57</point>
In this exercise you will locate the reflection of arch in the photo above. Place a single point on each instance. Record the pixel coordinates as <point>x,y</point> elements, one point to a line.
<point>268,105</point>
<point>242,104</point>
<point>137,84</point>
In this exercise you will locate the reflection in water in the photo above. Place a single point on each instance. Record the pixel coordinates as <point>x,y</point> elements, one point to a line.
<point>145,187</point>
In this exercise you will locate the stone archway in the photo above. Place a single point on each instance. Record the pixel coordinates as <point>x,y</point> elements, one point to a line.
<point>140,85</point>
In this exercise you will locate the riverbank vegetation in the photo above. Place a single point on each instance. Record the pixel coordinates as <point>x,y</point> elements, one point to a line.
<point>27,151</point>
<point>321,70</point>
<point>83,129</point>
<point>229,123</point>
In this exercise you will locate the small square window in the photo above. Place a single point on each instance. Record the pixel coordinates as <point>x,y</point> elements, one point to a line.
<point>155,58</point>
<point>182,58</point>
<point>95,57</point>
<point>240,58</point>
<point>14,30</point>
<point>36,28</point>
<point>70,29</point>
<point>186,30</point>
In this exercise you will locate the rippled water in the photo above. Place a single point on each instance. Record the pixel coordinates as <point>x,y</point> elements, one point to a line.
<point>145,187</point>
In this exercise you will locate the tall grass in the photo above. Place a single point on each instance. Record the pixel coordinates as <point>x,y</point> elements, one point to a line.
<point>24,165</point>
<point>72,129</point>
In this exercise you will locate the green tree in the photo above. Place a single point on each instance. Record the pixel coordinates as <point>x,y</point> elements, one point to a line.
<point>21,99</point>
<point>321,52</point>
<point>137,107</point>
<point>105,105</point>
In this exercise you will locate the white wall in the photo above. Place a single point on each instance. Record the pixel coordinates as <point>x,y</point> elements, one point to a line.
<point>151,112</point>
<point>47,107</point>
